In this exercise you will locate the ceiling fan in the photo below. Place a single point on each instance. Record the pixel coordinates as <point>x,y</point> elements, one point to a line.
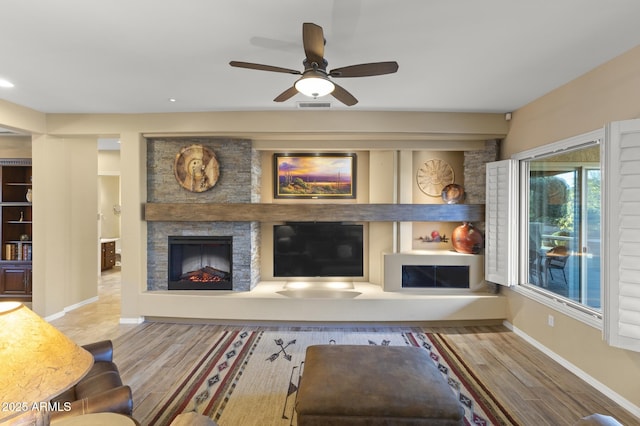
<point>315,81</point>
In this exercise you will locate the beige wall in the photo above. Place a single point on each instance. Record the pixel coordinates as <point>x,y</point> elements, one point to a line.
<point>64,223</point>
<point>109,163</point>
<point>15,147</point>
<point>23,120</point>
<point>608,93</point>
<point>383,184</point>
<point>108,200</point>
<point>109,193</point>
<point>133,194</point>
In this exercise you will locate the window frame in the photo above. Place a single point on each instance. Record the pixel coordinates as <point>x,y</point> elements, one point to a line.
<point>552,300</point>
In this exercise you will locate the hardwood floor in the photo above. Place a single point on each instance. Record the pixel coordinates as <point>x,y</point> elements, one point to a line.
<point>536,389</point>
<point>99,320</point>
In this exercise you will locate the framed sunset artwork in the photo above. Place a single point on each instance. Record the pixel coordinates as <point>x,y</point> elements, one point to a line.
<point>308,175</point>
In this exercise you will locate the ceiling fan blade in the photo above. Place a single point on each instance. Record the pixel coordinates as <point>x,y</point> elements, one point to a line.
<point>343,96</point>
<point>261,67</point>
<point>313,40</point>
<point>287,94</point>
<point>365,70</point>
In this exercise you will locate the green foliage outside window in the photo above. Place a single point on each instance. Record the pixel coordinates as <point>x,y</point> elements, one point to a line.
<point>545,205</point>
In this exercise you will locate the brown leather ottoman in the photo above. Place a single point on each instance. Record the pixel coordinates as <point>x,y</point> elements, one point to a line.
<point>374,385</point>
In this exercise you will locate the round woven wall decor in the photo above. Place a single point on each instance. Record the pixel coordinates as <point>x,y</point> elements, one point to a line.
<point>196,168</point>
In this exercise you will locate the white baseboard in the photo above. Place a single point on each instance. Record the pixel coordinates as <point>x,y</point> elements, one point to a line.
<point>616,397</point>
<point>55,316</point>
<point>136,320</point>
<point>79,304</point>
<point>58,315</point>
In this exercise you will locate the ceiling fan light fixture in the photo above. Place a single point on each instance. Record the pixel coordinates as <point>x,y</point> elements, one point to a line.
<point>314,84</point>
<point>314,81</point>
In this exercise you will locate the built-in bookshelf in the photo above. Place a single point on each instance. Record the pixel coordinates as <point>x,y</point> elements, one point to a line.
<point>18,251</point>
<point>16,215</point>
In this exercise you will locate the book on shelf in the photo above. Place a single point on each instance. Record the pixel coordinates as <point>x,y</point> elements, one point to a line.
<point>18,251</point>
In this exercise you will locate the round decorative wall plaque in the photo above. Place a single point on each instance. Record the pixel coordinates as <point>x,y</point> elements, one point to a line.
<point>196,168</point>
<point>433,176</point>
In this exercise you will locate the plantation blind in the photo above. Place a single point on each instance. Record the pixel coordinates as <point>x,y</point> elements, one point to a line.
<point>501,221</point>
<point>621,234</point>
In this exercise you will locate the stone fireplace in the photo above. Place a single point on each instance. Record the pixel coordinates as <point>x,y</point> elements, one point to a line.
<point>239,182</point>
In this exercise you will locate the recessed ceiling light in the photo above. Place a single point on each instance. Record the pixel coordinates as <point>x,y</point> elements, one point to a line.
<point>5,83</point>
<point>172,99</point>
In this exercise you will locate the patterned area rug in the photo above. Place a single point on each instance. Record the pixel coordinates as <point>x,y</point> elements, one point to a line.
<point>251,377</point>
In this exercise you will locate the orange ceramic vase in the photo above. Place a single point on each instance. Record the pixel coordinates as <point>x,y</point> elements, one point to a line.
<point>467,239</point>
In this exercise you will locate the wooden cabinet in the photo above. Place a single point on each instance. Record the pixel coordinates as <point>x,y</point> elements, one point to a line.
<point>108,255</point>
<point>15,280</point>
<point>16,217</point>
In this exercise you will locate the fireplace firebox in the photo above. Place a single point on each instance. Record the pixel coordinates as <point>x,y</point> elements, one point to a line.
<point>200,263</point>
<point>435,276</point>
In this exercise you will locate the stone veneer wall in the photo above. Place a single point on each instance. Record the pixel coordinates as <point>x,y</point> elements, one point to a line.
<point>475,182</point>
<point>239,182</point>
<point>475,176</point>
<point>475,171</point>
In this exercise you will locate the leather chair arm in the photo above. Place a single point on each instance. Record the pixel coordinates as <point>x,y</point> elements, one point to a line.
<point>97,369</point>
<point>116,400</point>
<point>100,367</point>
<point>101,351</point>
<point>66,396</point>
<point>97,384</point>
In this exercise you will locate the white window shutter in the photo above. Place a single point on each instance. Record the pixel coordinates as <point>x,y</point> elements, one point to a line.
<point>621,234</point>
<point>501,221</point>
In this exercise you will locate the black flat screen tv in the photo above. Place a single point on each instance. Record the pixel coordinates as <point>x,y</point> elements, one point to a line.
<point>318,249</point>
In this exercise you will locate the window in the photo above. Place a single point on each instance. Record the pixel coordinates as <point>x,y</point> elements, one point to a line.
<point>563,204</point>
<point>543,225</point>
<point>547,199</point>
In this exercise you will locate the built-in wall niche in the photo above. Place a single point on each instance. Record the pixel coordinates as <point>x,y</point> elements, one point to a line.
<point>318,250</point>
<point>432,171</point>
<point>433,235</point>
<point>360,167</point>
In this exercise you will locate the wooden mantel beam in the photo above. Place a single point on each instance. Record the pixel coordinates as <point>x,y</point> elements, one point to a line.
<point>309,212</point>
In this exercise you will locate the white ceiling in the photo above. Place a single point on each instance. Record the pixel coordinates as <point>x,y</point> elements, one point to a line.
<point>131,56</point>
